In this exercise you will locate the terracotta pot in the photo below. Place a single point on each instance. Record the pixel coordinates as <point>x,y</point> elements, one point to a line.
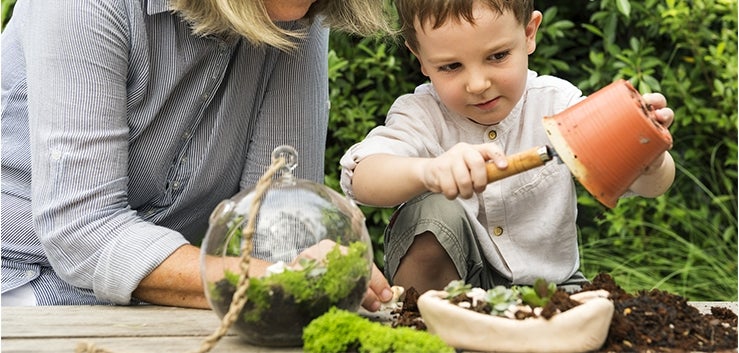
<point>608,140</point>
<point>581,329</point>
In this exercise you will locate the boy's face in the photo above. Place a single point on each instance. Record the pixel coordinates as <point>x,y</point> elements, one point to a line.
<point>478,70</point>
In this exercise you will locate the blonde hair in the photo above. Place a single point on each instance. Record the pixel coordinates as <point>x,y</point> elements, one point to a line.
<point>249,19</point>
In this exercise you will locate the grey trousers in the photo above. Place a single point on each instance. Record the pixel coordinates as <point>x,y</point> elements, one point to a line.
<point>448,221</point>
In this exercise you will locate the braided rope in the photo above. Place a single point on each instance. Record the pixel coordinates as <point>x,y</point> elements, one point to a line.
<point>239,297</point>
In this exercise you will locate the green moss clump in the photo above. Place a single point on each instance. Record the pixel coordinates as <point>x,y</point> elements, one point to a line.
<point>316,281</point>
<point>339,331</point>
<point>337,282</point>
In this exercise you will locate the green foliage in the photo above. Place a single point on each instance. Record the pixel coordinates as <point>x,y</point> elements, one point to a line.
<point>539,294</point>
<point>339,331</point>
<point>501,299</point>
<point>7,9</point>
<point>684,241</point>
<point>365,77</point>
<point>333,279</point>
<point>455,288</point>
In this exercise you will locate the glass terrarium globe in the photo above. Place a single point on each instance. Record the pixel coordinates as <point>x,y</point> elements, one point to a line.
<point>294,215</point>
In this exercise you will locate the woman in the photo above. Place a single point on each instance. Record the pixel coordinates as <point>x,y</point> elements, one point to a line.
<point>126,122</point>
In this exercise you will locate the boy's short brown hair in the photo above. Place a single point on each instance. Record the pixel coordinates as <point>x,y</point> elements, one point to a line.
<point>438,12</point>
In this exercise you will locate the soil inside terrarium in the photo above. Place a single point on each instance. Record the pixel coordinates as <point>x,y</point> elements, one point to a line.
<point>281,323</point>
<point>646,321</point>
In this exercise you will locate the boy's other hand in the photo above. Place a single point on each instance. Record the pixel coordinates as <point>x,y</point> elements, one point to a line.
<point>665,115</point>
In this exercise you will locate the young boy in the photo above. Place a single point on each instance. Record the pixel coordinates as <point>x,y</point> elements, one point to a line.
<point>482,103</point>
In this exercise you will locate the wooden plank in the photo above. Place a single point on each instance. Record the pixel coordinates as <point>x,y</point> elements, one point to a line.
<point>705,307</point>
<point>139,329</point>
<point>118,329</point>
<point>183,344</point>
<point>104,321</point>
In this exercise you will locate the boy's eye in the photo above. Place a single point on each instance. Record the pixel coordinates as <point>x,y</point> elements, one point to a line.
<point>500,56</point>
<point>449,67</point>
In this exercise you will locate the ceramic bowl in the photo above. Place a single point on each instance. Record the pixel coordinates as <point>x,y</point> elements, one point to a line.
<point>580,329</point>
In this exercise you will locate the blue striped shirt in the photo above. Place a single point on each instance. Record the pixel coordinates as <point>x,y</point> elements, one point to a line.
<point>121,132</point>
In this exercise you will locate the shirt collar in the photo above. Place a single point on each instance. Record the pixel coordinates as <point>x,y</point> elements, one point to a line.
<point>154,7</point>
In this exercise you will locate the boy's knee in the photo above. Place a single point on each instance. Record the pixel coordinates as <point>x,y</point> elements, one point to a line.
<point>435,208</point>
<point>426,229</point>
<point>426,248</point>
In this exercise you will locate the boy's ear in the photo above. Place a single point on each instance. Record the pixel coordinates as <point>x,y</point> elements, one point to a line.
<point>531,28</point>
<point>418,58</point>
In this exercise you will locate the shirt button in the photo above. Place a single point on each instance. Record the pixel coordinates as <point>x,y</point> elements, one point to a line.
<point>498,231</point>
<point>492,134</point>
<point>30,274</point>
<point>175,185</point>
<point>56,155</point>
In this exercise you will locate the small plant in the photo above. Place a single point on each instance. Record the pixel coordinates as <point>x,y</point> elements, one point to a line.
<point>499,300</point>
<point>539,294</point>
<point>455,288</point>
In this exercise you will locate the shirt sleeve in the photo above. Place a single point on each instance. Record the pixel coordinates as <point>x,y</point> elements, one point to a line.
<point>414,126</point>
<point>77,62</point>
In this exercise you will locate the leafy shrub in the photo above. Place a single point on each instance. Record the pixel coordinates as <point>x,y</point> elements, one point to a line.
<point>7,9</point>
<point>684,241</point>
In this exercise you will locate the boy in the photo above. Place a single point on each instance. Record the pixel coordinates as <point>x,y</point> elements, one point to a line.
<point>482,103</point>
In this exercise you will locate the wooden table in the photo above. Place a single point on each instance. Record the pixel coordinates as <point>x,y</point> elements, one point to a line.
<point>135,329</point>
<point>117,329</point>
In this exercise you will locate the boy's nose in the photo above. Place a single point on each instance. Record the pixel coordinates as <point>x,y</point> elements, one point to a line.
<point>477,83</point>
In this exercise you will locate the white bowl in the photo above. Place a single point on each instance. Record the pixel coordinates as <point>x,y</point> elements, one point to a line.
<point>580,329</point>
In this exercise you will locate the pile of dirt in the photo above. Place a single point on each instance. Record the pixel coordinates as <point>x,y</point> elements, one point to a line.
<point>647,321</point>
<point>407,315</point>
<point>660,321</point>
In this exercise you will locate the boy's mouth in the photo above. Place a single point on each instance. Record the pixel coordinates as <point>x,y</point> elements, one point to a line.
<point>489,104</point>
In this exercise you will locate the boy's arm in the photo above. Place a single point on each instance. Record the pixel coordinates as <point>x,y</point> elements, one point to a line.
<point>657,178</point>
<point>385,180</point>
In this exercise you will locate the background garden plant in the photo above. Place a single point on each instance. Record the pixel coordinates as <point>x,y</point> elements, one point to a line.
<point>685,241</point>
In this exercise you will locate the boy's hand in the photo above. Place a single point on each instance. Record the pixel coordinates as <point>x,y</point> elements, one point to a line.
<point>660,174</point>
<point>665,115</point>
<point>461,170</point>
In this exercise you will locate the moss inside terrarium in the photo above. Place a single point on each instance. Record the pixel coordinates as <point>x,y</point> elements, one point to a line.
<point>281,304</point>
